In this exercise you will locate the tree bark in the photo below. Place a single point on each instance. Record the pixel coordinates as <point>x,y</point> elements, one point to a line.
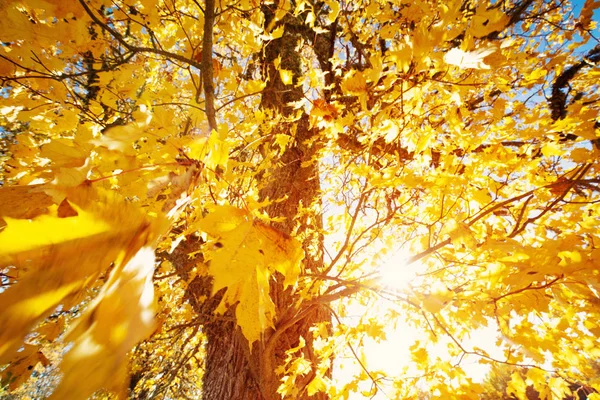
<point>232,371</point>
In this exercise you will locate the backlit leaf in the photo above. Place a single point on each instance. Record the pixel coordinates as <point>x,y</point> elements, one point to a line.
<point>246,255</point>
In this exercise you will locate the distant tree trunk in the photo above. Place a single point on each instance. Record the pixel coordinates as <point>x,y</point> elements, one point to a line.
<point>232,371</point>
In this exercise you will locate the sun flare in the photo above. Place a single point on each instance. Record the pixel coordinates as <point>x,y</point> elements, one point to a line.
<point>396,273</point>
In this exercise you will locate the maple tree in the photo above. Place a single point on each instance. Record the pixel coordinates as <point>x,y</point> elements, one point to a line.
<point>198,198</point>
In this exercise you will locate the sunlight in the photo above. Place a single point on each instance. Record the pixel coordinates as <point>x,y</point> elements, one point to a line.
<point>394,271</point>
<point>392,355</point>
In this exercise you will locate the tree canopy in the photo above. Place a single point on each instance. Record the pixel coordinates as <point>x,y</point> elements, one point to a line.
<point>240,199</point>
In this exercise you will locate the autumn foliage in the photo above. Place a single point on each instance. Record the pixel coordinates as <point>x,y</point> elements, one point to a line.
<point>243,199</point>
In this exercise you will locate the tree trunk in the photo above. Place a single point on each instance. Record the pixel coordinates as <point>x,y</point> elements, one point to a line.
<point>232,371</point>
<point>228,374</point>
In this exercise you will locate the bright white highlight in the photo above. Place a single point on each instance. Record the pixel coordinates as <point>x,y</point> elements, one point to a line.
<point>395,273</point>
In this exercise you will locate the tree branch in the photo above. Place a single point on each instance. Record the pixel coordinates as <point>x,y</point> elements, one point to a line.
<point>206,65</point>
<point>136,49</point>
<point>558,100</point>
<point>528,287</point>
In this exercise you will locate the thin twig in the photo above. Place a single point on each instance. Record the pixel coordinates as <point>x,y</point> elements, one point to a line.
<point>136,49</point>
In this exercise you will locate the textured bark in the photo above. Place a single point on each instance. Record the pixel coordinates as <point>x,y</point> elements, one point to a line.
<point>301,186</point>
<point>228,374</point>
<point>233,371</point>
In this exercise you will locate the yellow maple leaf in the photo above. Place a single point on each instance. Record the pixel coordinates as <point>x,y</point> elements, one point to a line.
<point>517,386</point>
<point>121,137</point>
<point>46,230</point>
<point>218,151</point>
<point>335,7</point>
<point>287,77</point>
<point>354,83</point>
<point>285,253</point>
<point>120,317</point>
<point>317,384</point>
<point>436,301</point>
<point>57,256</point>
<point>245,256</point>
<point>23,202</point>
<point>63,154</point>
